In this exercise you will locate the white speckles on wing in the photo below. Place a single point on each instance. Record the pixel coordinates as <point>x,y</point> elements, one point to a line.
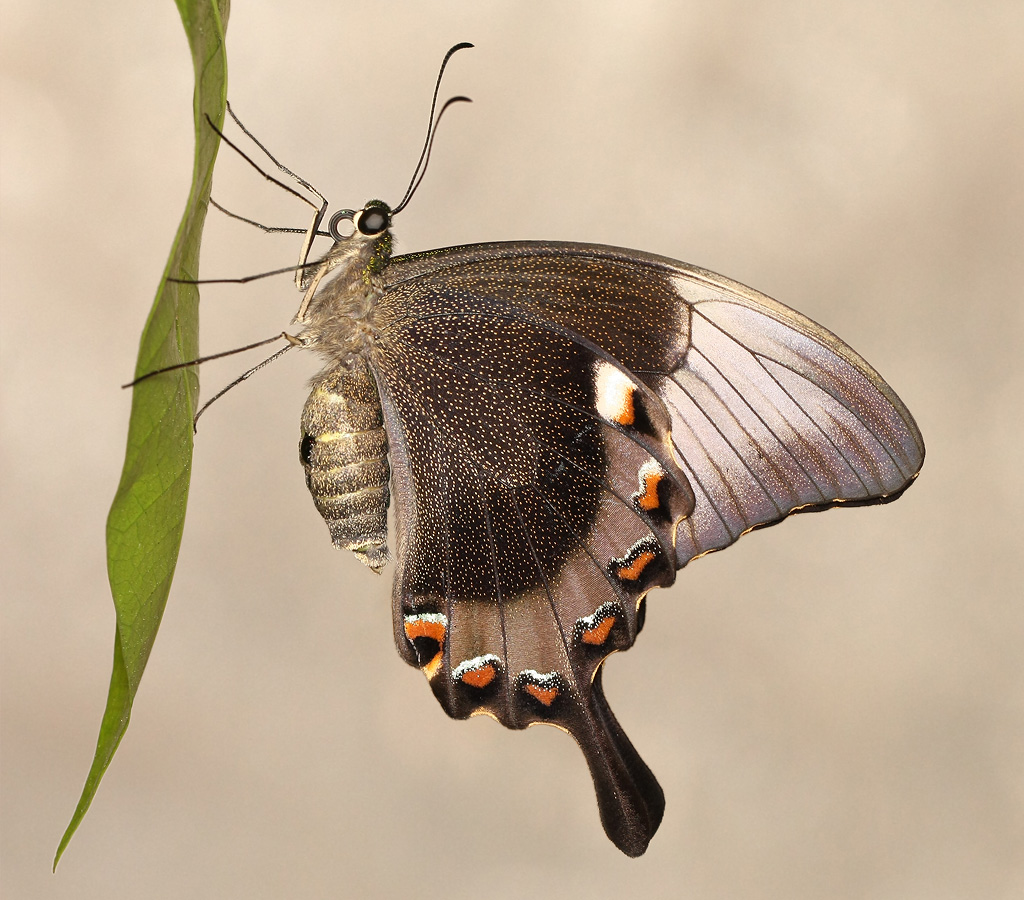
<point>568,425</point>
<point>426,619</point>
<point>474,664</point>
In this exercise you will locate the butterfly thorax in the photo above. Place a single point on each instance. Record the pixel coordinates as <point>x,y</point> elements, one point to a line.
<point>339,316</point>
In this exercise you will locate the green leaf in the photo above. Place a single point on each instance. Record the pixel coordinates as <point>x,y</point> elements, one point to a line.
<point>147,517</point>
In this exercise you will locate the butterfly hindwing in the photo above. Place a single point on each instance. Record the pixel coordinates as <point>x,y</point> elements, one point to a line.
<point>538,498</point>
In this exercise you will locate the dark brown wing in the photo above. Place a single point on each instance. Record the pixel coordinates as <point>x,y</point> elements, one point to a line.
<point>568,425</point>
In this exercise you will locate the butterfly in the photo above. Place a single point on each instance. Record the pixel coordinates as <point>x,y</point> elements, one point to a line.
<point>560,428</point>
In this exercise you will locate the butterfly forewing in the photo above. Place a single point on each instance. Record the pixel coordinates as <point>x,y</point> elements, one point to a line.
<point>770,412</point>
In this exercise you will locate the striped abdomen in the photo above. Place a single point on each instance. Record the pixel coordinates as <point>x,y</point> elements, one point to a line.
<point>344,451</point>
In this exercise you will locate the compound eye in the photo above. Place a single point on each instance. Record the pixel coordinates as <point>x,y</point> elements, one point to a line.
<point>372,220</point>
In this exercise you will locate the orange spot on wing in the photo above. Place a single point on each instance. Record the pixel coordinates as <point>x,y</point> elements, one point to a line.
<point>633,571</point>
<point>479,678</point>
<point>417,628</point>
<point>432,667</point>
<point>615,393</point>
<point>627,414</point>
<point>544,695</point>
<point>649,498</point>
<point>599,633</point>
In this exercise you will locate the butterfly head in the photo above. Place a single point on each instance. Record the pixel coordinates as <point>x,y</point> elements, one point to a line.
<point>369,238</point>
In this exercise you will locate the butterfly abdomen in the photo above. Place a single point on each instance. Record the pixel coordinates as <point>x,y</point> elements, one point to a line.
<point>344,452</point>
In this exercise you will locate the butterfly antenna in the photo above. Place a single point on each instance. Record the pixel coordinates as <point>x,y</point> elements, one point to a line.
<point>292,341</point>
<point>421,165</point>
<point>423,171</point>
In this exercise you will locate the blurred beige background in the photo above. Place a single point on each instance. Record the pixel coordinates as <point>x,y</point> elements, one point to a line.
<point>834,707</point>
